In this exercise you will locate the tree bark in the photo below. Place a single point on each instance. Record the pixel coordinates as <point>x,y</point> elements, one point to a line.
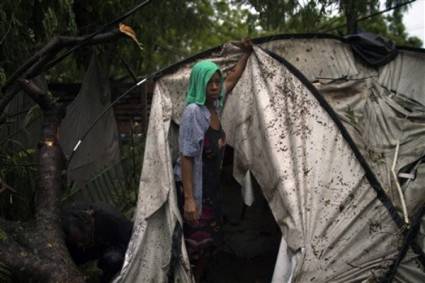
<point>350,11</point>
<point>37,248</point>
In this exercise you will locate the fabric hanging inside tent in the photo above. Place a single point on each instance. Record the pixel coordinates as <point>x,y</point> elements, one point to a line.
<point>100,148</point>
<point>323,165</point>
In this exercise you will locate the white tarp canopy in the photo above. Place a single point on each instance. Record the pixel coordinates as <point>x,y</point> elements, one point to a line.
<point>321,153</point>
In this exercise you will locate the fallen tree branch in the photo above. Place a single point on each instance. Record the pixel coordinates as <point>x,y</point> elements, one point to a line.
<point>54,46</point>
<point>43,60</point>
<point>37,267</point>
<point>37,94</point>
<point>37,248</point>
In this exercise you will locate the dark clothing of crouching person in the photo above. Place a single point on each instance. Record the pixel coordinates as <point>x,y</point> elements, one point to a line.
<point>96,231</point>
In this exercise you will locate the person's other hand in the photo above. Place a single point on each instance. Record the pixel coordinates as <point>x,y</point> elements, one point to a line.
<point>190,210</point>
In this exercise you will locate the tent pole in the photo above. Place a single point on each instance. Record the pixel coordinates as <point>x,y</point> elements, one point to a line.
<point>400,192</point>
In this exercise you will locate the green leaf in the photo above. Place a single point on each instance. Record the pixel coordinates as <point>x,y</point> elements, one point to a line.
<point>3,235</point>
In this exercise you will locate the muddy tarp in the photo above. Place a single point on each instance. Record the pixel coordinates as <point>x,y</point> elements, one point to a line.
<point>380,108</point>
<point>321,153</point>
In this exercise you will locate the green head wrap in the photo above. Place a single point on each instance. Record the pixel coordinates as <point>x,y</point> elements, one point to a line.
<point>201,73</point>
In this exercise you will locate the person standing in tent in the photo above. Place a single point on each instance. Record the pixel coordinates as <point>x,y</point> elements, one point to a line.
<point>201,146</point>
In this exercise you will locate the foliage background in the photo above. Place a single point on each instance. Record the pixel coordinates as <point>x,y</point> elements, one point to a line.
<point>172,30</point>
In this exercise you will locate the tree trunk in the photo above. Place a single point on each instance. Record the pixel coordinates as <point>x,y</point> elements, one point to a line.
<point>350,11</point>
<point>37,249</point>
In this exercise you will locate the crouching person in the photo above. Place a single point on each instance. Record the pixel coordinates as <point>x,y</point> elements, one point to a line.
<point>96,231</point>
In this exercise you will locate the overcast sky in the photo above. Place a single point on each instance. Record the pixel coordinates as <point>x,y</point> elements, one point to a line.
<point>414,20</point>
